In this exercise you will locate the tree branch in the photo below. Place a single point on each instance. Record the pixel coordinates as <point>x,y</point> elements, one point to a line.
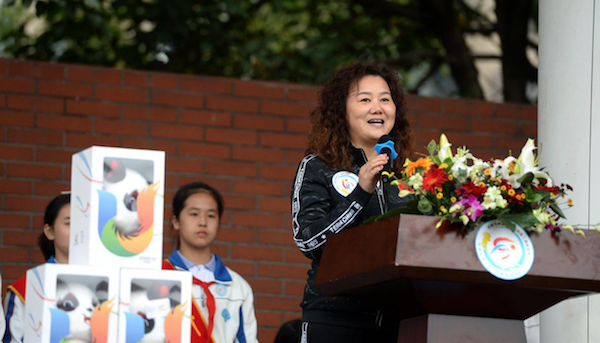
<point>384,8</point>
<point>445,26</point>
<point>486,31</point>
<point>417,55</point>
<point>433,68</point>
<point>487,57</point>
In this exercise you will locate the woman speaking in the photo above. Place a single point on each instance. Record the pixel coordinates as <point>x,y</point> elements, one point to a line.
<point>337,186</point>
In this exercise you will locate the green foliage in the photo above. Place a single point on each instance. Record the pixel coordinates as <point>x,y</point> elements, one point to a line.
<point>287,40</point>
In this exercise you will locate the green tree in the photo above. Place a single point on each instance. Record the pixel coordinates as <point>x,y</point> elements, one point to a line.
<point>289,40</point>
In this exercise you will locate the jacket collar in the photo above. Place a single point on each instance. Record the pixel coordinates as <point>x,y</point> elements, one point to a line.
<point>52,260</point>
<point>221,273</point>
<point>359,155</point>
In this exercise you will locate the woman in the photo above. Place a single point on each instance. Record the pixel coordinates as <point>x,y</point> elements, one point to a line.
<point>337,186</point>
<point>223,310</point>
<point>54,243</point>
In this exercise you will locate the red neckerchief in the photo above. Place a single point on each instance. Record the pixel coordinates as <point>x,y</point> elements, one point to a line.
<point>201,332</point>
<point>210,302</point>
<point>19,287</point>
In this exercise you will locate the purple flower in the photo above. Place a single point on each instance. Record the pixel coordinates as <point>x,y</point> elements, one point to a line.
<point>470,206</point>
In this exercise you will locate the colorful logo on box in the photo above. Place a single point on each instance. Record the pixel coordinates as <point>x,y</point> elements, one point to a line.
<point>173,323</point>
<point>132,243</point>
<point>125,207</point>
<point>344,182</point>
<point>507,254</point>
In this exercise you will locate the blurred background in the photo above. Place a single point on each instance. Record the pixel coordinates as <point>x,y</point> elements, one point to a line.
<point>482,49</point>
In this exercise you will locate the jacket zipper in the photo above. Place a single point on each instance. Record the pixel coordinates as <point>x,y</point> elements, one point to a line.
<point>378,188</point>
<point>380,197</point>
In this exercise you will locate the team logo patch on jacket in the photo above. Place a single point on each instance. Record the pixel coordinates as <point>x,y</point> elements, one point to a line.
<point>344,182</point>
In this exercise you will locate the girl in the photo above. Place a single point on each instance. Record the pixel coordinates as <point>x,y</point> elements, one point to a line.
<point>223,310</point>
<point>54,243</point>
<point>337,187</point>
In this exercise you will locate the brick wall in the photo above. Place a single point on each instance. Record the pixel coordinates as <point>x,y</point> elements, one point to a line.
<point>243,137</point>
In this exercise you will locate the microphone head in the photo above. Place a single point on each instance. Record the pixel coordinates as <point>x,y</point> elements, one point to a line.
<point>385,144</point>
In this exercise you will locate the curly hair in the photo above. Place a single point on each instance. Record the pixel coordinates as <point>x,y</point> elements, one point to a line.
<point>329,137</point>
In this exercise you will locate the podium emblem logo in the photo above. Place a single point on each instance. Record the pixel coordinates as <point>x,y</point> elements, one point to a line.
<point>506,254</point>
<point>344,182</point>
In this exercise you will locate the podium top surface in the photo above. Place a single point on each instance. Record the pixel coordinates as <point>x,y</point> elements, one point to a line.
<point>407,263</point>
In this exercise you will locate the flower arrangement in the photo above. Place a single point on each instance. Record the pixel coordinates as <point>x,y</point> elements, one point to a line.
<point>464,189</point>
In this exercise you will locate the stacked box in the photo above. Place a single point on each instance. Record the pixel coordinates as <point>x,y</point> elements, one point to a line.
<point>155,306</point>
<point>116,226</point>
<point>117,207</point>
<point>71,303</point>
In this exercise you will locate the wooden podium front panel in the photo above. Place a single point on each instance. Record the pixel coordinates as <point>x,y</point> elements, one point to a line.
<point>562,260</point>
<point>405,263</point>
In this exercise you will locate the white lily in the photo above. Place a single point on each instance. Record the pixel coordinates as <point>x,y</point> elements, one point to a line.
<point>445,151</point>
<point>404,193</point>
<point>466,166</point>
<point>513,169</point>
<point>508,169</point>
<point>529,163</point>
<point>493,199</point>
<point>415,181</point>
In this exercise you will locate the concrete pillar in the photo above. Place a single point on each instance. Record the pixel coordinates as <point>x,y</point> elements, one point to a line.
<point>569,134</point>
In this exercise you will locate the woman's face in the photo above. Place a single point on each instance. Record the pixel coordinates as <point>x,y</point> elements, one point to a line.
<point>198,221</point>
<point>370,111</point>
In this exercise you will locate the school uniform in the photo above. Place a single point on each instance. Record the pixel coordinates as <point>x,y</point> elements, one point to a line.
<point>14,305</point>
<point>223,302</point>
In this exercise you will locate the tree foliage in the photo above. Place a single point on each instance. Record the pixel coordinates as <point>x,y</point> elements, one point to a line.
<point>288,40</point>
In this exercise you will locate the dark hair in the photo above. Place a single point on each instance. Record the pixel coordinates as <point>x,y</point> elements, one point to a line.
<point>329,137</point>
<point>188,190</point>
<point>289,332</point>
<point>46,245</point>
<point>192,188</point>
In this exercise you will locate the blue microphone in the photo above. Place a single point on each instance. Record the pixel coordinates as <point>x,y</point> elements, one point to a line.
<point>385,145</point>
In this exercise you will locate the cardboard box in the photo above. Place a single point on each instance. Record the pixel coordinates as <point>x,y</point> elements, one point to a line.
<point>155,306</point>
<point>117,201</point>
<point>76,303</point>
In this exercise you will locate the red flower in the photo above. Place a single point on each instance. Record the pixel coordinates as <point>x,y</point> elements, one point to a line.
<point>402,186</point>
<point>554,190</point>
<point>470,188</point>
<point>434,178</point>
<point>517,198</point>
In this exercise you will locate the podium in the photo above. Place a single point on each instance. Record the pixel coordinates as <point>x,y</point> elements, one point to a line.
<point>436,287</point>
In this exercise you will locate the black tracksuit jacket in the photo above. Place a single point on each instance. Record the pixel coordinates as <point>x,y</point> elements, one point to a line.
<point>319,209</point>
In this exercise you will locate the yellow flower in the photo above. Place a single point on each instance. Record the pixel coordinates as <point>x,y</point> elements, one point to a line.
<point>450,177</point>
<point>443,166</point>
<point>453,199</point>
<point>487,172</point>
<point>552,195</point>
<point>439,195</point>
<point>443,209</point>
<point>503,188</point>
<point>481,184</point>
<point>570,202</point>
<point>411,168</point>
<point>511,192</point>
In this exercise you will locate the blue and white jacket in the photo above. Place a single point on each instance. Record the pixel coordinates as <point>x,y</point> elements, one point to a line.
<point>14,304</point>
<point>234,320</point>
